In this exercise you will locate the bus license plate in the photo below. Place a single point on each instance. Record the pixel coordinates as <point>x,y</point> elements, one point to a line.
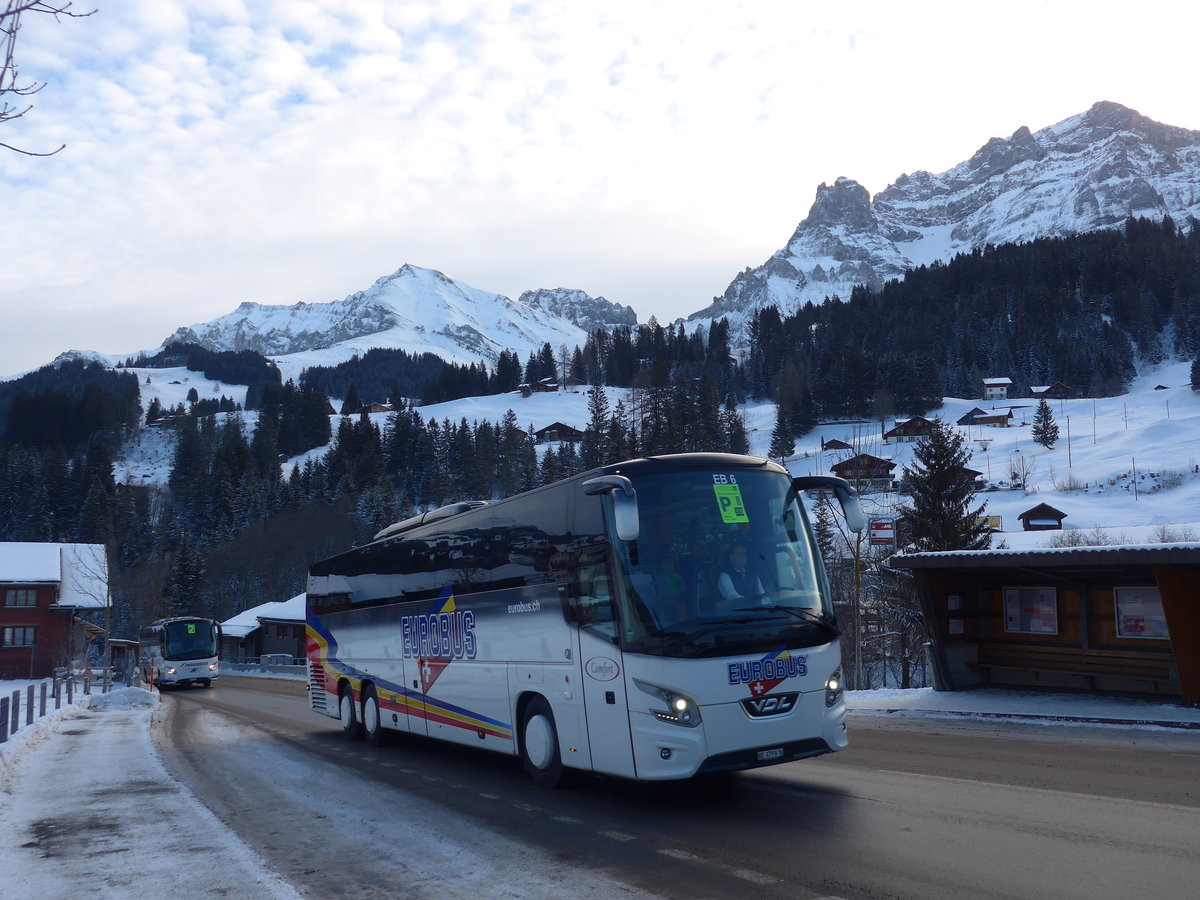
<point>774,753</point>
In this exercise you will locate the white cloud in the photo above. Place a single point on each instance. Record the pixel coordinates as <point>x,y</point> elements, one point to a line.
<point>298,149</point>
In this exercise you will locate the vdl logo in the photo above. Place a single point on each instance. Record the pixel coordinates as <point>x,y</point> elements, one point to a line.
<point>775,705</point>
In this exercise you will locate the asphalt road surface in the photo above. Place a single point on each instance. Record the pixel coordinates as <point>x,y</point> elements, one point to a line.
<point>914,809</point>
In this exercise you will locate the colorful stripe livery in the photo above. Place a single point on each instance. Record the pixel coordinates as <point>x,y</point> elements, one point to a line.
<point>322,651</point>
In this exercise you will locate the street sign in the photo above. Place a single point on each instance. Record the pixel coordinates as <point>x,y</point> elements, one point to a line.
<point>883,531</point>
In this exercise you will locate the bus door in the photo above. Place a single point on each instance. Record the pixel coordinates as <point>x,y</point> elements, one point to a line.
<point>605,702</point>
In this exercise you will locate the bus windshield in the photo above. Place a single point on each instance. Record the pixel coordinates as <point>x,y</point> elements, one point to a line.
<point>189,640</point>
<point>724,564</point>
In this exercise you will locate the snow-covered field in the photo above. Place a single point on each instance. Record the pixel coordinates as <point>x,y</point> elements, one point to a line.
<point>1125,463</point>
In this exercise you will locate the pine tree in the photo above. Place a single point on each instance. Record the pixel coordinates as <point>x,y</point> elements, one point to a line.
<point>783,444</point>
<point>596,448</point>
<point>353,402</point>
<point>940,492</point>
<point>1045,431</point>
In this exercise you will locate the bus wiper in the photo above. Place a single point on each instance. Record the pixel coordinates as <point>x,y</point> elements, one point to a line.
<point>675,638</point>
<point>800,612</point>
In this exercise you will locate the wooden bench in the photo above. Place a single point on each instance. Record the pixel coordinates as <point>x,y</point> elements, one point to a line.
<point>1138,671</point>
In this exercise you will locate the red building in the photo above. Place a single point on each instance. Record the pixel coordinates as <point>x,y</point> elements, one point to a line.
<point>55,597</point>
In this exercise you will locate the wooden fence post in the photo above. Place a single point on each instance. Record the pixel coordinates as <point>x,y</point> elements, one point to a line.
<point>42,704</point>
<point>3,719</point>
<point>16,713</point>
<point>70,689</point>
<point>57,692</point>
<point>29,706</point>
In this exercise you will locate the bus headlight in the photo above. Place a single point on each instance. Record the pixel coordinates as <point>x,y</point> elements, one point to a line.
<point>171,670</point>
<point>212,667</point>
<point>834,687</point>
<point>680,710</point>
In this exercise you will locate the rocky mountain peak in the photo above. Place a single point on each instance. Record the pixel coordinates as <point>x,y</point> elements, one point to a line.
<point>845,202</point>
<point>1087,172</point>
<point>579,308</point>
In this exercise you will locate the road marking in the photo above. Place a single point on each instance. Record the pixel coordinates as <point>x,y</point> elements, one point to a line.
<point>617,835</point>
<point>568,820</point>
<point>756,877</point>
<point>679,854</point>
<point>490,796</point>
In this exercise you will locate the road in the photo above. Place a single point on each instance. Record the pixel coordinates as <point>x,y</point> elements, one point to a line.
<point>915,809</point>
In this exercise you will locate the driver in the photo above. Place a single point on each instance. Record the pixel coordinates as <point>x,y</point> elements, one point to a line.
<point>736,581</point>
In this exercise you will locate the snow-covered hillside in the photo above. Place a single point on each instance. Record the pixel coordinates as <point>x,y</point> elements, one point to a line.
<point>1088,172</point>
<point>1149,437</point>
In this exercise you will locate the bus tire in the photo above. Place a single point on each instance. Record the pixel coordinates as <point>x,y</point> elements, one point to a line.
<point>372,725</point>
<point>539,744</point>
<point>350,723</point>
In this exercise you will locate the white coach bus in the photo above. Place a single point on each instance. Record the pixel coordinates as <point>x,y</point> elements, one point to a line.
<point>180,650</point>
<point>655,619</point>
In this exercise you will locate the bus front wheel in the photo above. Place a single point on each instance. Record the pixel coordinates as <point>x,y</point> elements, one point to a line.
<point>370,717</point>
<point>350,723</point>
<point>539,744</point>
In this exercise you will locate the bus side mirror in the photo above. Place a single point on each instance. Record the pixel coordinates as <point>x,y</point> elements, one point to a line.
<point>625,506</point>
<point>842,489</point>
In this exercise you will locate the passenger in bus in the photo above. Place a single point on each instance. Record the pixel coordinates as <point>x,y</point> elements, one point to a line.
<point>671,591</point>
<point>736,581</point>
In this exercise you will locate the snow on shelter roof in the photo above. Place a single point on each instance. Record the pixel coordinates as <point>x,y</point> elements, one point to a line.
<point>243,623</point>
<point>1137,554</point>
<point>80,570</point>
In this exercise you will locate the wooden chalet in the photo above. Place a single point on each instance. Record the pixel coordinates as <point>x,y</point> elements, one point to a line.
<point>994,418</point>
<point>558,432</point>
<point>545,386</point>
<point>274,628</point>
<point>1056,391</point>
<point>867,473</point>
<point>996,388</point>
<point>834,444</point>
<point>969,418</point>
<point>909,430</point>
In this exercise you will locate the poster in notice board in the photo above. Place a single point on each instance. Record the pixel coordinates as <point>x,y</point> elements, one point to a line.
<point>1031,610</point>
<point>1140,613</point>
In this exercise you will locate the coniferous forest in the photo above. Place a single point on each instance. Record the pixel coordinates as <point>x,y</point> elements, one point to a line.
<point>231,530</point>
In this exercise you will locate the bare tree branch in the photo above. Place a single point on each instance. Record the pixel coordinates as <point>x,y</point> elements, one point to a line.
<point>10,83</point>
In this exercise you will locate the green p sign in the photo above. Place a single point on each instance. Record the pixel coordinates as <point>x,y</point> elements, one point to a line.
<point>729,502</point>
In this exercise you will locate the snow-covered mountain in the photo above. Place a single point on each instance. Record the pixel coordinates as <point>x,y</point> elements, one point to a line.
<point>417,310</point>
<point>1088,172</point>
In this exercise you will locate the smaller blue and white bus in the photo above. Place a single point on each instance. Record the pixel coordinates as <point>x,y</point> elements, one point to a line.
<point>180,650</point>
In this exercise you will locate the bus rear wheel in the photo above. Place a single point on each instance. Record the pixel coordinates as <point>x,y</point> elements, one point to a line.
<point>539,744</point>
<point>350,723</point>
<point>372,726</point>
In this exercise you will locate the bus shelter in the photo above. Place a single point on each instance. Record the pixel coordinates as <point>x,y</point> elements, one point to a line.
<point>1107,619</point>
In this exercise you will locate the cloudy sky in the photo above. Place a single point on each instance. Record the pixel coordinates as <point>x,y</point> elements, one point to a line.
<point>283,150</point>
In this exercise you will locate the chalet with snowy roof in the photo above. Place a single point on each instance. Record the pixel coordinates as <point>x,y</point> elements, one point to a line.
<point>834,444</point>
<point>996,388</point>
<point>969,417</point>
<point>55,600</point>
<point>908,431</point>
<point>545,386</point>
<point>1042,517</point>
<point>867,473</point>
<point>1056,391</point>
<point>376,408</point>
<point>993,418</point>
<point>1119,618</point>
<point>275,628</point>
<point>558,432</point>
